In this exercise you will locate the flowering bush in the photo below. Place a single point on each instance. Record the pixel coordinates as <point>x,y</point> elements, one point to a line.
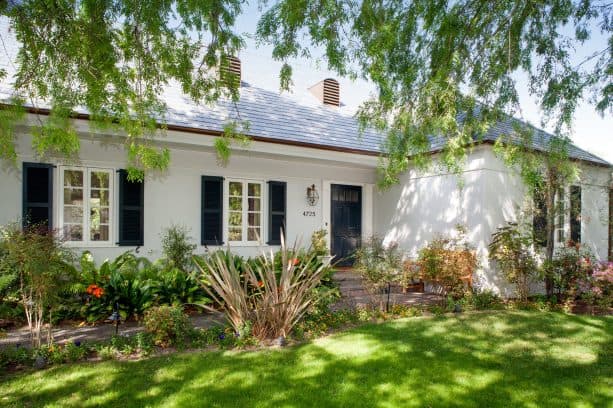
<point>597,289</point>
<point>95,290</point>
<point>168,325</point>
<point>125,282</point>
<point>571,265</point>
<point>449,262</point>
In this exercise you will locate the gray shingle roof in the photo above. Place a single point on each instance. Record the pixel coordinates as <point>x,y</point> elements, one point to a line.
<point>540,140</point>
<point>276,117</point>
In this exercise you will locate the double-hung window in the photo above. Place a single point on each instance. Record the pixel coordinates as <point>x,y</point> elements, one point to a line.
<point>560,219</point>
<point>86,211</point>
<point>244,211</point>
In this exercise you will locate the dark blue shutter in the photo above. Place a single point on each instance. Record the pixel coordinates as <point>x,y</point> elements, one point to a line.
<point>277,210</point>
<point>131,211</point>
<point>37,195</point>
<point>575,214</point>
<point>211,227</point>
<point>539,220</point>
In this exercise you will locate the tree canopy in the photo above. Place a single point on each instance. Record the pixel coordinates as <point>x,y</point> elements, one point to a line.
<point>446,68</point>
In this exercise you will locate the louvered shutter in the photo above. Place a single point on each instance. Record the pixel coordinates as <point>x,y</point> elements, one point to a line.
<point>277,209</point>
<point>131,211</point>
<point>37,196</point>
<point>575,214</point>
<point>211,228</point>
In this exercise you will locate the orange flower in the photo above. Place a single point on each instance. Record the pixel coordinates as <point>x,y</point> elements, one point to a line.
<point>296,261</point>
<point>260,284</point>
<point>95,290</point>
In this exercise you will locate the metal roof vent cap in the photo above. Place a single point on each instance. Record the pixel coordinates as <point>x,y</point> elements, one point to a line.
<point>231,70</point>
<point>327,92</point>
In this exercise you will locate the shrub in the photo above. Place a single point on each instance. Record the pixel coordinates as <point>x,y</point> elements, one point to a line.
<point>35,258</point>
<point>319,243</point>
<point>485,299</point>
<point>125,282</point>
<point>511,249</point>
<point>177,247</point>
<point>378,264</point>
<point>269,298</point>
<point>168,325</point>
<point>15,356</point>
<point>448,262</point>
<point>571,264</point>
<point>172,286</point>
<point>597,289</point>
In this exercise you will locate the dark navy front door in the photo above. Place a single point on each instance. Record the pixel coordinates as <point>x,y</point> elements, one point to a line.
<point>346,220</point>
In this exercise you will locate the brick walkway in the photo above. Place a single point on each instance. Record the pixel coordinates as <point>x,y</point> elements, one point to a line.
<point>353,294</point>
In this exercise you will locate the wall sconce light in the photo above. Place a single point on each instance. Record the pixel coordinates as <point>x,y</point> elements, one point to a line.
<point>312,195</point>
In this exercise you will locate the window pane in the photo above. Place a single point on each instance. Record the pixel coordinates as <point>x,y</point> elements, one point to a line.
<point>73,232</point>
<point>235,234</point>
<point>236,189</point>
<point>73,178</point>
<point>254,189</point>
<point>254,204</point>
<point>236,203</point>
<point>104,215</point>
<point>99,197</point>
<point>235,219</point>
<point>99,179</point>
<point>253,234</point>
<point>73,215</point>
<point>254,219</point>
<point>99,233</point>
<point>73,196</point>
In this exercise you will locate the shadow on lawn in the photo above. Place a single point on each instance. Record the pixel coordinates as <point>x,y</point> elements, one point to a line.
<point>474,360</point>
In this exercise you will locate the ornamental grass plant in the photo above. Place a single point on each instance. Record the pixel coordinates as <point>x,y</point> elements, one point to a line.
<point>269,295</point>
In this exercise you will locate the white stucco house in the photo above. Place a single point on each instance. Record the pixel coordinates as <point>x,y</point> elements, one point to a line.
<point>306,168</point>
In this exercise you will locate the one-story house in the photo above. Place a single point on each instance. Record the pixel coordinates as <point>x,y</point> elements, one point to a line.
<point>307,168</point>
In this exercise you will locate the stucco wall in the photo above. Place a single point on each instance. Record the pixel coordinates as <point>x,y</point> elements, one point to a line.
<point>174,197</point>
<point>483,197</point>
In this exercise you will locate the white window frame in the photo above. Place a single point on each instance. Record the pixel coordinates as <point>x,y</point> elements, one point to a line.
<point>565,226</point>
<point>87,170</point>
<point>245,210</point>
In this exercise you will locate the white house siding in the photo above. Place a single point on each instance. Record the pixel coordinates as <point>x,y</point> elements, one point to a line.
<point>174,196</point>
<point>483,197</point>
<point>595,185</point>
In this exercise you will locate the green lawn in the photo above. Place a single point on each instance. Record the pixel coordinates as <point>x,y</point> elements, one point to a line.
<point>487,359</point>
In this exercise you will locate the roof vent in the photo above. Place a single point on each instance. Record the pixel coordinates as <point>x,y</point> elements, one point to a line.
<point>327,91</point>
<point>231,70</point>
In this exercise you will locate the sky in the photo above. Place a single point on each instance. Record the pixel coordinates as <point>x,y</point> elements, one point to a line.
<point>591,131</point>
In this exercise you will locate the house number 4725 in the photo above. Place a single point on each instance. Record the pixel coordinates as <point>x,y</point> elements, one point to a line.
<point>308,213</point>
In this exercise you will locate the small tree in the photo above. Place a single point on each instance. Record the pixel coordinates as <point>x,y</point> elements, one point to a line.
<point>379,264</point>
<point>511,249</point>
<point>43,269</point>
<point>178,247</point>
<point>545,173</point>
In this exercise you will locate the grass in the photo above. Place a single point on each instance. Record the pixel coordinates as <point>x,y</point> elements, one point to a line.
<point>482,359</point>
